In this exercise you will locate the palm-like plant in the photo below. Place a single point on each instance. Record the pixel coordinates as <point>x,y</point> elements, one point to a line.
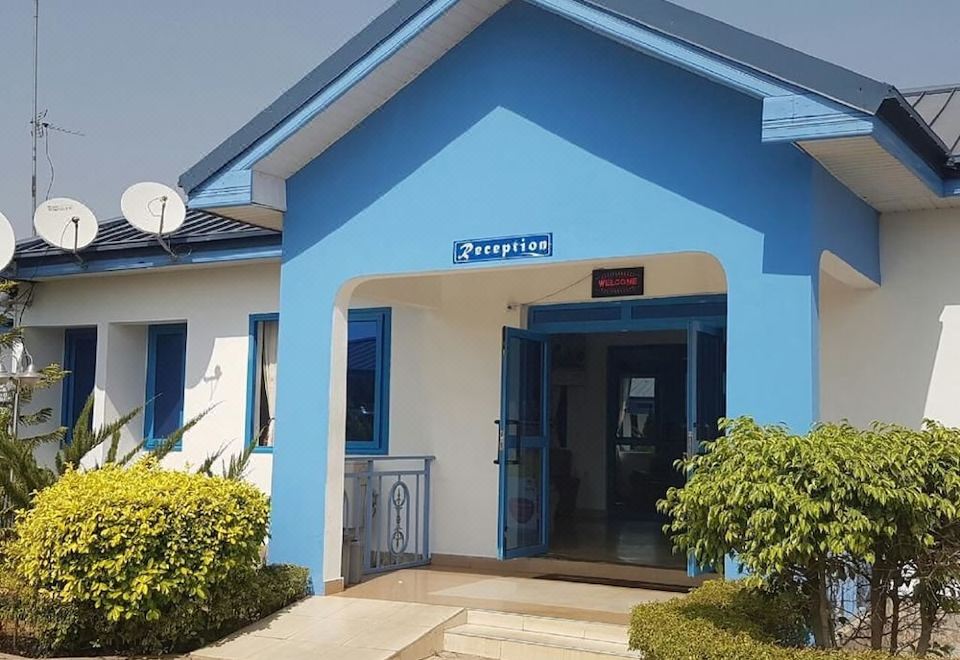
<point>22,475</point>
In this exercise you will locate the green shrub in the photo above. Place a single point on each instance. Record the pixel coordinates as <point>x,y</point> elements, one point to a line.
<point>727,621</point>
<point>810,511</point>
<point>134,543</point>
<point>37,625</point>
<point>247,597</point>
<point>32,625</point>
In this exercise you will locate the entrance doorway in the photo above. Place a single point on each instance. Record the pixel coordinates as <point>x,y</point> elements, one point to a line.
<point>596,411</point>
<point>619,426</point>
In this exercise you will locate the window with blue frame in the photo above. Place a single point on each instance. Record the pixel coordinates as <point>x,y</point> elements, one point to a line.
<point>368,380</point>
<point>166,373</point>
<point>262,380</point>
<point>80,363</point>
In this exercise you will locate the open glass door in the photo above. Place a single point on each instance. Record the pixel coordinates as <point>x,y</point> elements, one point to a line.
<point>524,444</point>
<point>706,399</point>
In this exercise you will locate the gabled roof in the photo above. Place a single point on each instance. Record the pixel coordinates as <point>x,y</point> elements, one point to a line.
<point>326,72</point>
<point>713,36</point>
<point>203,237</point>
<point>940,108</point>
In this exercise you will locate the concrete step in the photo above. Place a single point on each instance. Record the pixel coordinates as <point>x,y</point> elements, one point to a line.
<point>504,636</point>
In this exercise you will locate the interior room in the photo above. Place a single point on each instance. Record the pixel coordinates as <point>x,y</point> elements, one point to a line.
<point>618,424</point>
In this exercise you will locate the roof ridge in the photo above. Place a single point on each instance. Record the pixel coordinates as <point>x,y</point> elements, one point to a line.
<point>931,89</point>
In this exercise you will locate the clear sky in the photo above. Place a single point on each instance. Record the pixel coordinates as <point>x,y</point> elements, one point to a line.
<point>153,86</point>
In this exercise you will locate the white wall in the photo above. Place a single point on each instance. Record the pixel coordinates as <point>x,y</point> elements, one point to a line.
<point>893,353</point>
<point>215,303</point>
<point>46,347</point>
<point>445,373</point>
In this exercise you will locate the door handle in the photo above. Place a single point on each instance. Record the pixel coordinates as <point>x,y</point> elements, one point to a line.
<point>496,461</point>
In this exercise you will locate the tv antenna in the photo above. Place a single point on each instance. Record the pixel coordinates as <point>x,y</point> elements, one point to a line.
<point>66,224</point>
<point>39,126</point>
<point>155,209</point>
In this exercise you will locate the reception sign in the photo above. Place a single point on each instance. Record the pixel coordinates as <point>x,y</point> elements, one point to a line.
<point>503,248</point>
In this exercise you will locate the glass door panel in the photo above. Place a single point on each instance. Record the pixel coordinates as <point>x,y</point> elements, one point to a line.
<point>706,394</point>
<point>524,444</point>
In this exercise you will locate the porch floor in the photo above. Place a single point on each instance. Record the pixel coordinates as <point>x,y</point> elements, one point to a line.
<point>405,615</point>
<point>521,595</point>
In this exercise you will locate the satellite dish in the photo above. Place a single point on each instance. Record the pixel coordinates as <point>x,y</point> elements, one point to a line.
<point>153,208</point>
<point>8,242</point>
<point>65,223</point>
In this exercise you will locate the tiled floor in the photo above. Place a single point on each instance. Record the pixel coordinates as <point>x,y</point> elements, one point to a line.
<point>569,600</point>
<point>616,541</point>
<point>341,627</point>
<point>403,615</point>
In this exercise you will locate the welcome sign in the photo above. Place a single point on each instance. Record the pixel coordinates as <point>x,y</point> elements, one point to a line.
<point>502,248</point>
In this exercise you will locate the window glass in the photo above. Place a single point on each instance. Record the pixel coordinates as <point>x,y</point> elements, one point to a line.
<point>265,381</point>
<point>367,350</point>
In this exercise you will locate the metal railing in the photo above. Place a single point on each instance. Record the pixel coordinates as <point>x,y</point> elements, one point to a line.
<point>386,514</point>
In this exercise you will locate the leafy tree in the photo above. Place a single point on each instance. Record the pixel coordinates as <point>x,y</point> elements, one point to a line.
<point>808,512</point>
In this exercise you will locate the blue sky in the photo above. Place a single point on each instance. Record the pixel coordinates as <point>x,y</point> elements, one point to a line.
<point>155,85</point>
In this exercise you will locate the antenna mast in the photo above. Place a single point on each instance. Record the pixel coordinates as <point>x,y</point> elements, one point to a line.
<point>35,121</point>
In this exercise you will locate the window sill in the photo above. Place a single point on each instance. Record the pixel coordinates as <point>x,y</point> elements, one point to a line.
<point>263,450</point>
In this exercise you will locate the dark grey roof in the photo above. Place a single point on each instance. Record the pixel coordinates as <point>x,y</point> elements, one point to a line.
<point>770,57</point>
<point>708,34</point>
<point>118,234</point>
<point>940,108</point>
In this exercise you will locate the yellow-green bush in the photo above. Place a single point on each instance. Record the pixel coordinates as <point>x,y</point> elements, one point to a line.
<point>35,625</point>
<point>136,543</point>
<point>727,621</point>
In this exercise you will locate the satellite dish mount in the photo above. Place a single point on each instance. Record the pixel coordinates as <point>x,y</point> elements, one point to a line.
<point>155,209</point>
<point>163,212</point>
<point>75,221</point>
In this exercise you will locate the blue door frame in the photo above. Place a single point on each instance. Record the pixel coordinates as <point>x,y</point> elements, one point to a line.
<point>704,318</point>
<point>705,399</point>
<point>524,444</point>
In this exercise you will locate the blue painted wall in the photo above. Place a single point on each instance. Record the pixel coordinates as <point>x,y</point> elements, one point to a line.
<point>533,124</point>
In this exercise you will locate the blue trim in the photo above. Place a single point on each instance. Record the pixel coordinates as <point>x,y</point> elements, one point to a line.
<point>636,314</point>
<point>134,259</point>
<point>801,117</point>
<point>669,49</point>
<point>381,406</point>
<point>810,117</point>
<point>790,112</point>
<point>68,405</point>
<point>899,149</point>
<point>694,329</point>
<point>252,347</point>
<point>153,332</point>
<point>233,186</point>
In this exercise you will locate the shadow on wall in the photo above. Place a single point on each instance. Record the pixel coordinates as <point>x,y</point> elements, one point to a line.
<point>943,394</point>
<point>893,353</point>
<point>646,118</point>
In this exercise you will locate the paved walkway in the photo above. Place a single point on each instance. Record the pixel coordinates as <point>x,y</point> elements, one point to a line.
<point>402,615</point>
<point>338,627</point>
